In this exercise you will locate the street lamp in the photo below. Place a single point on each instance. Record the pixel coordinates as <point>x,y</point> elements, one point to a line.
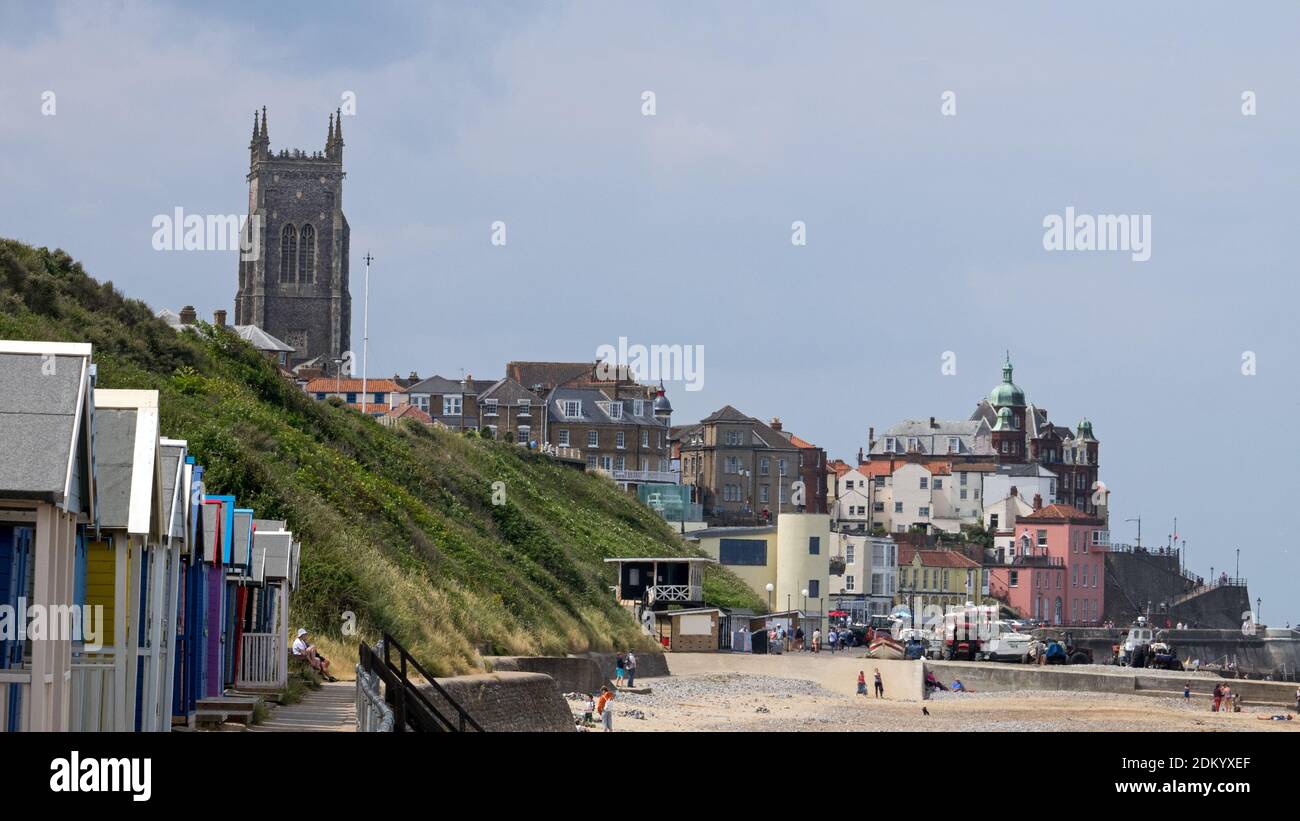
<point>770,588</point>
<point>1259,608</point>
<point>1238,570</point>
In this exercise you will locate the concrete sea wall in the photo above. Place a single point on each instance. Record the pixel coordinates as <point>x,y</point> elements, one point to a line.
<point>506,702</point>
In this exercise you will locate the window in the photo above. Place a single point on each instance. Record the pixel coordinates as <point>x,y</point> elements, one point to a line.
<point>814,545</point>
<point>878,507</point>
<point>490,407</point>
<point>764,493</point>
<point>591,457</point>
<point>733,438</point>
<point>898,507</point>
<point>525,407</point>
<point>352,398</point>
<point>962,476</point>
<point>620,440</point>
<point>288,252</point>
<point>954,444</point>
<point>938,483</point>
<point>848,583</point>
<point>572,408</point>
<point>638,407</point>
<point>1013,578</point>
<point>645,438</point>
<point>451,405</point>
<point>607,462</point>
<point>307,255</point>
<point>923,511</point>
<point>1042,538</point>
<point>891,444</point>
<point>564,438</point>
<point>880,481</point>
<point>379,397</point>
<point>814,588</point>
<point>925,483</point>
<point>912,444</point>
<point>320,396</point>
<point>522,434</point>
<point>620,463</point>
<point>745,552</point>
<point>993,521</point>
<point>615,410</point>
<point>848,484</point>
<point>963,493</point>
<point>848,554</point>
<point>593,439</point>
<point>780,465</point>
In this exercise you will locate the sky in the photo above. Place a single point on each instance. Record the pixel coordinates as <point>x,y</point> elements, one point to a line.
<point>924,228</point>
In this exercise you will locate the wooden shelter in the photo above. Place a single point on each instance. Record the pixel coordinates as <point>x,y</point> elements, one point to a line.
<point>660,581</point>
<point>690,630</point>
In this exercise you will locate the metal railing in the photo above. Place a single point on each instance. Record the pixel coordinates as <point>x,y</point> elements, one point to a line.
<point>373,715</point>
<point>412,709</point>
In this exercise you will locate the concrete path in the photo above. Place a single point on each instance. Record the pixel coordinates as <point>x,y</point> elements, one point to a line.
<point>331,709</point>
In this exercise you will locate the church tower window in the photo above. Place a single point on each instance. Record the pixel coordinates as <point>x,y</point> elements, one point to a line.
<point>307,255</point>
<point>288,252</point>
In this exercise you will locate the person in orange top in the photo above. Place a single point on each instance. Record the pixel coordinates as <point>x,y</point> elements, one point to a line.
<point>604,710</point>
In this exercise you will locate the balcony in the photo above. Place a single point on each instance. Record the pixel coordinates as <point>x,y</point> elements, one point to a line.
<point>675,593</point>
<point>662,477</point>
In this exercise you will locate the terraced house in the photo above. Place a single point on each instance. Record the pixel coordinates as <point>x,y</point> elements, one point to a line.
<point>625,438</point>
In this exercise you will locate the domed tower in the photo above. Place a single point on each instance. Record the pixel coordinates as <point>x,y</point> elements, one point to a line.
<point>1008,395</point>
<point>1085,439</point>
<point>1007,441</point>
<point>663,409</point>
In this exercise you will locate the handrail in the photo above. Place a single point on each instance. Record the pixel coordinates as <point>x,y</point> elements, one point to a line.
<point>373,715</point>
<point>465,717</point>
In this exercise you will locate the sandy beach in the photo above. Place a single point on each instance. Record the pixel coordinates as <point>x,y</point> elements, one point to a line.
<point>745,702</point>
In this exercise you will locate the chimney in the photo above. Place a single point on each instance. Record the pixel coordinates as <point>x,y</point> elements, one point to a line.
<point>859,456</point>
<point>1015,491</point>
<point>1038,501</point>
<point>415,376</point>
<point>219,317</point>
<point>871,438</point>
<point>776,423</point>
<point>932,424</point>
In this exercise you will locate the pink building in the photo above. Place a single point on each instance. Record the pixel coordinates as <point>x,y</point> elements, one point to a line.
<point>1059,573</point>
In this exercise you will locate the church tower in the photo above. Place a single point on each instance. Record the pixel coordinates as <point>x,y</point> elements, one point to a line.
<point>295,285</point>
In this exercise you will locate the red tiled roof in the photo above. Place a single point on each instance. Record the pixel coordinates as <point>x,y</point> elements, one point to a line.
<point>800,443</point>
<point>838,466</point>
<point>934,558</point>
<point>407,410</point>
<point>330,385</point>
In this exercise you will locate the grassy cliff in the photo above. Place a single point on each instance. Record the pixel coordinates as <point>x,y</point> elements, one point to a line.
<point>397,525</point>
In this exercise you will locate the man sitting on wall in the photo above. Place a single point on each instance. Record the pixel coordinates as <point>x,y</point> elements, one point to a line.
<point>308,652</point>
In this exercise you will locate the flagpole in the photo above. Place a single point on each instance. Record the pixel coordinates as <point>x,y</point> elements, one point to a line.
<point>365,336</point>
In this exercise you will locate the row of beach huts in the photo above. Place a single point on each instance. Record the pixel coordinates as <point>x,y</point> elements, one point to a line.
<point>130,592</point>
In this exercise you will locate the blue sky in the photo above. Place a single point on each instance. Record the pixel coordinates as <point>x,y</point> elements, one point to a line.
<point>924,231</point>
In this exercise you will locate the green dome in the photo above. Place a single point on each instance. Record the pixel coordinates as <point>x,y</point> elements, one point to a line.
<point>1007,394</point>
<point>1085,430</point>
<point>1005,420</point>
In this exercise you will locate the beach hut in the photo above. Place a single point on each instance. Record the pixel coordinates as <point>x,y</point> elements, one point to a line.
<point>177,469</point>
<point>48,496</point>
<point>187,677</point>
<point>264,643</point>
<point>689,630</point>
<point>218,550</point>
<point>110,678</point>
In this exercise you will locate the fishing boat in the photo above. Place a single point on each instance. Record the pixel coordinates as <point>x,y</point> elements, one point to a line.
<point>884,646</point>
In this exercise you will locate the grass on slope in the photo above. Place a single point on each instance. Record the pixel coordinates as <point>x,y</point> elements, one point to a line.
<point>397,525</point>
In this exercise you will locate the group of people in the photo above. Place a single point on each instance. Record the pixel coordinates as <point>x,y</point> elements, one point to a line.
<point>625,669</point>
<point>1225,700</point>
<point>862,683</point>
<point>599,708</point>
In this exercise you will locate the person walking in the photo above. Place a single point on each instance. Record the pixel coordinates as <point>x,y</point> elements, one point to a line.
<point>1218,698</point>
<point>631,668</point>
<point>880,685</point>
<point>1297,699</point>
<point>798,638</point>
<point>620,670</point>
<point>833,636</point>
<point>862,683</point>
<point>817,640</point>
<point>1187,692</point>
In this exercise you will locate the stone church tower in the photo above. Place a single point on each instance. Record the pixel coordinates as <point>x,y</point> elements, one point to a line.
<point>296,288</point>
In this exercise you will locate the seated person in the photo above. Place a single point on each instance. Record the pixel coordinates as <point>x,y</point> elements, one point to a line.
<point>308,651</point>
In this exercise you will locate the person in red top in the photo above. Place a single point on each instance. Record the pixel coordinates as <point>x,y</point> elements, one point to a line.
<point>862,683</point>
<point>603,709</point>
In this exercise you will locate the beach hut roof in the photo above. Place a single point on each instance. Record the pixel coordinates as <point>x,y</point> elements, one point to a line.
<point>128,462</point>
